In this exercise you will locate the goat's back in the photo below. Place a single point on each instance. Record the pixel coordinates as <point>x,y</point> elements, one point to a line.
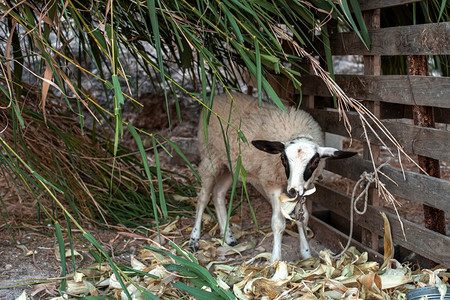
<point>265,123</point>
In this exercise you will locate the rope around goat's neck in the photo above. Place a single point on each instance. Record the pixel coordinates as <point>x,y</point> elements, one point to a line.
<point>369,178</point>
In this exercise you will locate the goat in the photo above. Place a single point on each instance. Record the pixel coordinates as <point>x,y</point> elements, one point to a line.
<point>293,134</point>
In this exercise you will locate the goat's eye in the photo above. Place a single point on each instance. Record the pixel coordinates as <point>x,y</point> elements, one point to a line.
<point>315,163</point>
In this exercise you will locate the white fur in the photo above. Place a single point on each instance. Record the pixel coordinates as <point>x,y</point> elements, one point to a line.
<point>302,138</point>
<point>299,153</point>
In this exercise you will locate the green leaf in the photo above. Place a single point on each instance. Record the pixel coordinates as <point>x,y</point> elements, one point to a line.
<point>232,21</point>
<point>441,10</point>
<point>365,38</point>
<point>359,17</point>
<point>196,292</point>
<point>162,199</point>
<point>258,72</point>
<point>117,89</point>
<point>141,149</point>
<point>62,254</point>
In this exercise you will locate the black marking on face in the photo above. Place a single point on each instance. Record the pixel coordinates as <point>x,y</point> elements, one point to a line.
<point>311,167</point>
<point>285,163</point>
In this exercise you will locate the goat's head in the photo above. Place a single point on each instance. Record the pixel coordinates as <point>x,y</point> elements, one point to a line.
<point>301,158</point>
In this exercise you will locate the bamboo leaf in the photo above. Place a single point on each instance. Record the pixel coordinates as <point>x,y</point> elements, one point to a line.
<point>233,23</point>
<point>442,9</point>
<point>359,17</point>
<point>147,170</point>
<point>258,72</point>
<point>346,9</point>
<point>62,254</point>
<point>157,39</point>
<point>196,292</point>
<point>162,199</point>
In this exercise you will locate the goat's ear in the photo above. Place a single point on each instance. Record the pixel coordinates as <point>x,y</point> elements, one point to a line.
<point>268,146</point>
<point>333,153</point>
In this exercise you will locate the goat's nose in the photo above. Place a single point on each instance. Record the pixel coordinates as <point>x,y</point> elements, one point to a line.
<point>292,193</point>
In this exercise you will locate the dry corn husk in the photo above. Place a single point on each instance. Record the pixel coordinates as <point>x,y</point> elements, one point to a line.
<point>288,204</point>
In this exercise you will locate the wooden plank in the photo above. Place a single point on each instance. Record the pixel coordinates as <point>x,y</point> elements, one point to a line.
<point>424,39</point>
<point>420,240</point>
<point>417,187</point>
<point>374,4</point>
<point>414,139</point>
<point>333,239</point>
<point>402,89</point>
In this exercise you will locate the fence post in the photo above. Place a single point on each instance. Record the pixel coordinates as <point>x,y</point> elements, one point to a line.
<point>372,66</point>
<point>424,116</point>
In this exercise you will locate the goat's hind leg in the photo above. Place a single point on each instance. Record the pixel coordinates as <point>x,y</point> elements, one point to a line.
<point>203,199</point>
<point>221,187</point>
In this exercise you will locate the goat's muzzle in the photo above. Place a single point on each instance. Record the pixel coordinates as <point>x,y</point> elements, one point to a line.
<point>292,193</point>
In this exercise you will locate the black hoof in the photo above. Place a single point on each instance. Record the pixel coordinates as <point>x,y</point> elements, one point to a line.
<point>232,244</point>
<point>193,247</point>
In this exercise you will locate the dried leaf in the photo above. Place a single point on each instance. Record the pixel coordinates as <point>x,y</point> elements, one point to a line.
<point>78,276</point>
<point>103,283</point>
<point>308,296</point>
<point>287,208</point>
<point>281,272</point>
<point>371,281</point>
<point>263,287</point>
<point>159,271</point>
<point>351,294</point>
<point>47,79</point>
<point>388,244</point>
<point>392,281</point>
<point>75,253</point>
<point>265,255</point>
<point>370,266</point>
<point>238,287</point>
<point>172,226</point>
<point>136,264</point>
<point>333,295</point>
<point>114,283</point>
<point>223,284</point>
<point>79,288</point>
<point>49,288</point>
<point>133,291</point>
<point>25,250</point>
<point>23,296</point>
<point>326,256</point>
<point>227,250</point>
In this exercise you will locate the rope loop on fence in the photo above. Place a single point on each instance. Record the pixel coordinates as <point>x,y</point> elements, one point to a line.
<point>366,179</point>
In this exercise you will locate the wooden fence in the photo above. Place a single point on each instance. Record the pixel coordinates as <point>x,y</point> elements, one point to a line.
<point>389,97</point>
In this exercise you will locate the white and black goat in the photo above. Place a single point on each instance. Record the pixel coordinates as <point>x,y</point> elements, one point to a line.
<point>294,135</point>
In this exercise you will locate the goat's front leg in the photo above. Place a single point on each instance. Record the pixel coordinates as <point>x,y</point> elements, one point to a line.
<point>302,223</point>
<point>278,224</point>
<point>203,199</point>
